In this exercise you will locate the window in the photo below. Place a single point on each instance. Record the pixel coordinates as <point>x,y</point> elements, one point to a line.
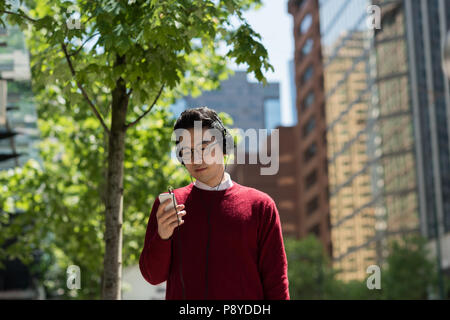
<point>311,179</point>
<point>306,23</point>
<point>308,100</point>
<point>308,46</point>
<point>309,127</point>
<point>300,3</point>
<point>308,74</point>
<point>310,152</point>
<point>315,230</point>
<point>312,205</point>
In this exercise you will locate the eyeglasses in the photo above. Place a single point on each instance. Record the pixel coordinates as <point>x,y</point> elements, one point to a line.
<point>204,150</point>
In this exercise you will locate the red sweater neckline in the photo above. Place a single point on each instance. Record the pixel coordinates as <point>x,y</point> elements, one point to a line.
<point>224,193</point>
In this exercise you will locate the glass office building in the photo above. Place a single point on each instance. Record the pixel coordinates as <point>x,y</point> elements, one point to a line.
<point>387,117</point>
<point>18,118</point>
<point>346,43</point>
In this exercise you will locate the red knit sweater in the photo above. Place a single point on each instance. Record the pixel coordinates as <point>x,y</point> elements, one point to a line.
<point>247,258</point>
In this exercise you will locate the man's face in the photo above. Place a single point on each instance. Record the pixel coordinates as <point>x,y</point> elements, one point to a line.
<point>205,153</point>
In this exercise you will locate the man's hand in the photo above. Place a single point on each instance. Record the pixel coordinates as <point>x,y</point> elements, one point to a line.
<point>168,220</point>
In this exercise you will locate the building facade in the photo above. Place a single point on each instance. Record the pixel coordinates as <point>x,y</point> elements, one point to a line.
<point>350,188</point>
<point>310,152</point>
<point>293,93</point>
<point>251,105</point>
<point>413,117</point>
<point>407,125</point>
<point>18,143</point>
<point>387,121</point>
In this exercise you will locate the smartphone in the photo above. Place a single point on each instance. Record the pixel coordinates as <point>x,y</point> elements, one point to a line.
<point>163,197</point>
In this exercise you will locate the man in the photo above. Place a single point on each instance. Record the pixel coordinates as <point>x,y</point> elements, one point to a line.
<point>228,242</point>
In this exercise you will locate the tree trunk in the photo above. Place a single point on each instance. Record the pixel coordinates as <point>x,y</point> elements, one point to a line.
<point>112,263</point>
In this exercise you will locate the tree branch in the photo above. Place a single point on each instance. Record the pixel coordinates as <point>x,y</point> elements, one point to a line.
<point>129,125</point>
<point>82,45</point>
<point>94,109</point>
<point>20,15</point>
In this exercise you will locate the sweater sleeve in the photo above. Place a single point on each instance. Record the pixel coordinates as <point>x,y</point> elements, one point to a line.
<point>272,260</point>
<point>154,261</point>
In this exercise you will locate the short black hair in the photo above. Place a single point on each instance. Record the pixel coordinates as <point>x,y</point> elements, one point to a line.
<point>204,114</point>
<point>209,119</point>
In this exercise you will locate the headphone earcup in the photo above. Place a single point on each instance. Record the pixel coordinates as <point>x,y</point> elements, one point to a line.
<point>225,135</point>
<point>228,143</point>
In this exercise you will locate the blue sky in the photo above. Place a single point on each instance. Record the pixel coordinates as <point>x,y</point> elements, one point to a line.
<point>273,22</point>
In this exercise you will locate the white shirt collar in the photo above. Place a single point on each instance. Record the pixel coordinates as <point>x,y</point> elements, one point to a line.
<point>225,184</point>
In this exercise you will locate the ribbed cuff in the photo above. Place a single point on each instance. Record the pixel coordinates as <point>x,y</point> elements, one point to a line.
<point>159,242</point>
